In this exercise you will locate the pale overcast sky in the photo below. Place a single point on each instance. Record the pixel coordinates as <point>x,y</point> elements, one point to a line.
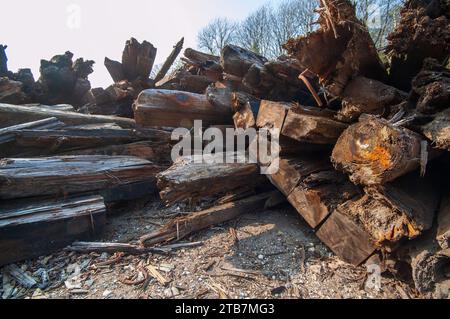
<point>40,29</point>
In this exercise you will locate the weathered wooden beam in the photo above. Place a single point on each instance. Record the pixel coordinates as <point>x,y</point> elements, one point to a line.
<point>169,61</point>
<point>192,177</point>
<point>17,114</point>
<point>311,128</point>
<point>181,227</point>
<point>30,229</point>
<point>21,178</point>
<point>7,133</point>
<point>163,108</point>
<point>49,142</point>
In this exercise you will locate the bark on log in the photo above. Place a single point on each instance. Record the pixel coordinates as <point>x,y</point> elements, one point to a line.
<point>21,178</point>
<point>32,229</point>
<point>184,226</point>
<point>188,180</point>
<point>162,108</point>
<point>375,151</point>
<point>16,114</point>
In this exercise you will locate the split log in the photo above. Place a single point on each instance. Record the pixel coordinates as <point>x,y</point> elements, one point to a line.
<point>163,108</point>
<point>422,32</point>
<point>16,114</point>
<point>32,229</point>
<point>193,178</point>
<point>169,61</point>
<point>237,61</point>
<point>438,131</point>
<point>49,142</point>
<point>182,227</point>
<point>349,52</point>
<point>21,178</point>
<point>137,60</point>
<point>317,195</point>
<point>7,133</point>
<point>115,70</point>
<point>375,151</point>
<point>363,95</point>
<point>310,128</point>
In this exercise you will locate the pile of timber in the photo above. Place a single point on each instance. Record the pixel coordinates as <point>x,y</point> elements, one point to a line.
<point>363,151</point>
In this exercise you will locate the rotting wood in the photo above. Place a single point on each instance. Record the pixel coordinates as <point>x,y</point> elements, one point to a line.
<point>21,178</point>
<point>193,222</point>
<point>163,108</point>
<point>32,229</point>
<point>17,114</point>
<point>375,151</point>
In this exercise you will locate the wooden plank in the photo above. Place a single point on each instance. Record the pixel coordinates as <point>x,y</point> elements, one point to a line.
<point>40,228</point>
<point>16,114</point>
<point>319,194</point>
<point>64,175</point>
<point>346,239</point>
<point>182,227</point>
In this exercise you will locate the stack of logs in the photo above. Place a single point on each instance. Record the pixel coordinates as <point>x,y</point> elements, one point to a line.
<point>363,151</point>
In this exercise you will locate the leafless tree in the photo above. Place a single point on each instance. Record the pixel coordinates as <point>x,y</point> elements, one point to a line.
<point>379,16</point>
<point>216,35</point>
<point>291,19</point>
<point>254,33</point>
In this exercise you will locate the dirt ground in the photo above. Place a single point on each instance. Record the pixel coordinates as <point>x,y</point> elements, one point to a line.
<point>267,254</point>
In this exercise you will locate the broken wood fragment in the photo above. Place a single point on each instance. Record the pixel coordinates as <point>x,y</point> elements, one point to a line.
<point>169,61</point>
<point>184,226</point>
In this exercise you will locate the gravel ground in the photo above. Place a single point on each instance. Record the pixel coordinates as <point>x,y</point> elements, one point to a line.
<point>268,254</point>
